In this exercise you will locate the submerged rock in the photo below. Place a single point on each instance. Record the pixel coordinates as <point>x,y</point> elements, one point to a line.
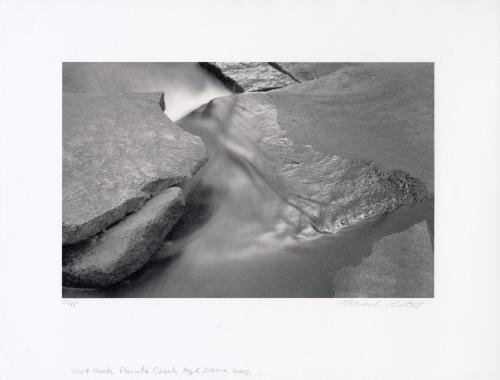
<point>125,247</point>
<point>249,76</point>
<point>401,265</point>
<point>118,151</point>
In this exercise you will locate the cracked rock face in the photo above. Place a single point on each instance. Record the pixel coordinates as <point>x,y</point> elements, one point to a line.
<point>401,265</point>
<point>125,247</point>
<point>119,150</point>
<point>249,76</point>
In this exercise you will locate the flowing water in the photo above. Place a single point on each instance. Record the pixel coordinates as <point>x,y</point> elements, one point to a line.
<point>186,85</point>
<point>230,243</point>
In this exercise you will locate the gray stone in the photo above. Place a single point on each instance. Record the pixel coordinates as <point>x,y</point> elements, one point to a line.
<point>125,247</point>
<point>249,76</point>
<point>325,193</point>
<point>380,112</point>
<point>118,151</point>
<point>305,71</point>
<point>401,265</point>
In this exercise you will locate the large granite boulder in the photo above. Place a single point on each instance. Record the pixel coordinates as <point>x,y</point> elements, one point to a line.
<point>324,193</point>
<point>400,265</point>
<point>249,76</point>
<point>119,150</point>
<point>125,247</point>
<point>380,112</point>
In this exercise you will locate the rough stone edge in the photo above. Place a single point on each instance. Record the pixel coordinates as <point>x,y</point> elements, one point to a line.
<point>233,86</point>
<point>228,82</point>
<point>177,206</point>
<point>72,233</point>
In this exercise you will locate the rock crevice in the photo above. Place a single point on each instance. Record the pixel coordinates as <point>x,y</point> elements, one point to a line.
<point>124,163</point>
<point>249,76</point>
<point>279,67</point>
<point>118,151</point>
<point>126,246</point>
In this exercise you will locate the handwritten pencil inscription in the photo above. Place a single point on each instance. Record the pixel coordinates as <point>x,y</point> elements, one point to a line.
<point>160,371</point>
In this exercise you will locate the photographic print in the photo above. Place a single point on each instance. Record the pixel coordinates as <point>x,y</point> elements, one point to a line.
<point>249,190</point>
<point>248,179</point>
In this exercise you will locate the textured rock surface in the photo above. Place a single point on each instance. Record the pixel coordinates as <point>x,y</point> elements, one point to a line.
<point>381,112</point>
<point>305,71</point>
<point>401,265</point>
<point>249,76</point>
<point>118,151</point>
<point>324,193</point>
<point>125,247</point>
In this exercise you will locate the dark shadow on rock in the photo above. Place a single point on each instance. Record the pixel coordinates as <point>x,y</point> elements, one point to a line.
<point>200,206</point>
<point>201,203</point>
<point>229,83</point>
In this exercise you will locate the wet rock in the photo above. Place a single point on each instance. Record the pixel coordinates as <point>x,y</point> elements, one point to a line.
<point>305,71</point>
<point>118,151</point>
<point>248,76</point>
<point>125,247</point>
<point>380,112</point>
<point>401,265</point>
<point>317,193</point>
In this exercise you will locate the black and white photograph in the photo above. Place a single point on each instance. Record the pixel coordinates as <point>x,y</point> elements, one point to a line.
<point>249,190</point>
<point>248,179</point>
